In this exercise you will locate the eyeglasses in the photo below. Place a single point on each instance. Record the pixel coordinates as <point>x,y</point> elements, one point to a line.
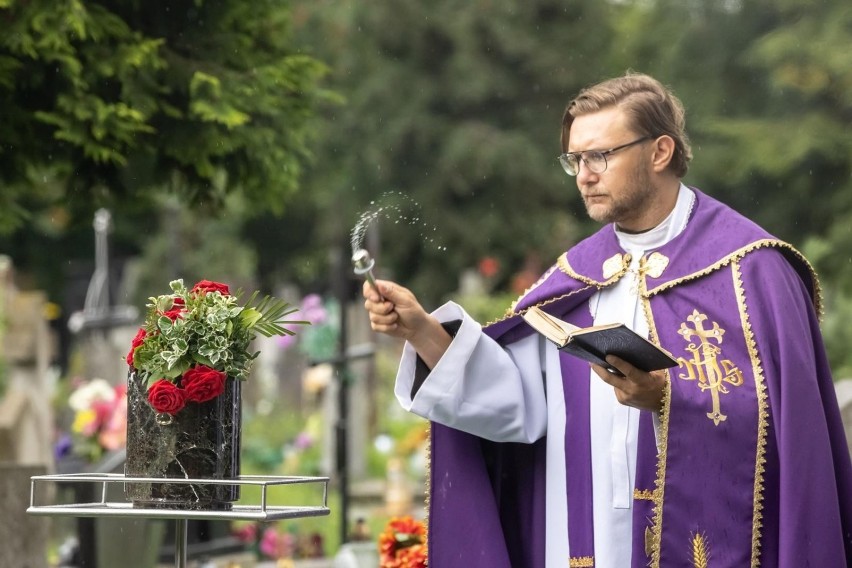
<point>595,160</point>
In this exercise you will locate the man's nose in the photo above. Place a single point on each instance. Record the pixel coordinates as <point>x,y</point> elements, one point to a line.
<point>584,174</point>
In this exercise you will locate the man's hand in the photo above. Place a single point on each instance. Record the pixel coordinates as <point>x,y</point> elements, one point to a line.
<point>636,388</point>
<point>398,314</point>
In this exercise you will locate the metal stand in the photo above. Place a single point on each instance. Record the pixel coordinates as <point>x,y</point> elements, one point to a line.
<point>262,511</point>
<point>180,543</point>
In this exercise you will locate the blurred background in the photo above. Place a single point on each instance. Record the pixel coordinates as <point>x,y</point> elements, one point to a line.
<point>255,143</point>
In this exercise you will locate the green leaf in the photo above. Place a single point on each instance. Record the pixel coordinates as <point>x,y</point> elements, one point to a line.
<point>250,317</point>
<point>273,315</point>
<point>199,358</point>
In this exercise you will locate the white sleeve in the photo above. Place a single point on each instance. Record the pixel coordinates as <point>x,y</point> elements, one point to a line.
<point>478,386</point>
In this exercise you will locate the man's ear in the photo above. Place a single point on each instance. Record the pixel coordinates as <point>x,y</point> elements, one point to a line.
<point>664,149</point>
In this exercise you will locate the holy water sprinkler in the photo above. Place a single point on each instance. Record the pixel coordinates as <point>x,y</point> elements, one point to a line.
<point>364,264</point>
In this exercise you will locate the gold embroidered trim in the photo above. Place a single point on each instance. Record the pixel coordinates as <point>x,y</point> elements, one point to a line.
<point>700,554</point>
<point>738,255</point>
<point>511,311</point>
<point>707,367</point>
<point>656,529</point>
<point>581,562</point>
<point>535,285</point>
<point>565,267</point>
<point>655,264</point>
<point>643,494</point>
<point>762,413</point>
<point>427,497</point>
<point>649,541</point>
<point>614,264</point>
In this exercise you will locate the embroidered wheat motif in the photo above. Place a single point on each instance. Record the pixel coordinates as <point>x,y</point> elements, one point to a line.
<point>700,555</point>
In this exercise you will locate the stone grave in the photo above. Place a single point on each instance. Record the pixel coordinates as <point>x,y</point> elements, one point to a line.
<point>26,420</point>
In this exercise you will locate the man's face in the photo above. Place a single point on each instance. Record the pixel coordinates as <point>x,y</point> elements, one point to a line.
<point>622,193</point>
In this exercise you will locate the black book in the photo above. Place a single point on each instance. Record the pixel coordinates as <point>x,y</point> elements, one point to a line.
<point>594,343</point>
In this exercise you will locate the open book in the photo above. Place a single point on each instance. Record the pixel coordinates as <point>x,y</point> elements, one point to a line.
<point>594,343</point>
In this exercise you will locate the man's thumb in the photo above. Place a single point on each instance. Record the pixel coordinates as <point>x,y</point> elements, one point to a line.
<point>386,289</point>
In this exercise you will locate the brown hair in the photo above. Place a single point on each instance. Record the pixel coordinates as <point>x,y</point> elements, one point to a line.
<point>652,109</point>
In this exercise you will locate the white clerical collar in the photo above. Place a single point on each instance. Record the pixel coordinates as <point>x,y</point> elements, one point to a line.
<point>668,229</point>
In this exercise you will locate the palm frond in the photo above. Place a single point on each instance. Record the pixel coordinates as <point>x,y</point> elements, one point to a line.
<point>273,315</point>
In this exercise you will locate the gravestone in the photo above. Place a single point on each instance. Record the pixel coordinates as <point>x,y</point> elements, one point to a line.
<point>26,417</point>
<point>24,536</point>
<point>26,420</point>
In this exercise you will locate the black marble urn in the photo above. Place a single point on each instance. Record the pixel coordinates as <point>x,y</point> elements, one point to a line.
<point>201,441</point>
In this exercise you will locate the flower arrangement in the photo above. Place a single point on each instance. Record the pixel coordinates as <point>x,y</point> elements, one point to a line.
<point>403,544</point>
<point>320,341</point>
<point>99,420</point>
<point>194,339</point>
<point>271,542</point>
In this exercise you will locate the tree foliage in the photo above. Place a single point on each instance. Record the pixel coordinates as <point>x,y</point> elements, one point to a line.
<point>454,106</point>
<point>106,102</point>
<point>457,104</point>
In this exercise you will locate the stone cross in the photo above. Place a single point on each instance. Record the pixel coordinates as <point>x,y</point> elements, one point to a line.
<point>95,324</point>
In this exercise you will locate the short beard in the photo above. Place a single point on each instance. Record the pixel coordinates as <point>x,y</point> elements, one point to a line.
<point>632,203</point>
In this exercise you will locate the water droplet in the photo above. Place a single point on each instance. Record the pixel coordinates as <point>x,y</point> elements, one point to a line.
<point>391,205</point>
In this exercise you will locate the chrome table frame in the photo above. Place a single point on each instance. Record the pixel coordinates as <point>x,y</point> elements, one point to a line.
<point>262,511</point>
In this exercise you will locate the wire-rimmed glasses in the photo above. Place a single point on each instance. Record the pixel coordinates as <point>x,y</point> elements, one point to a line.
<point>595,160</point>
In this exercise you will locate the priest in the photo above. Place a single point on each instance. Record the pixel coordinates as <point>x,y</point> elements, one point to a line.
<point>736,457</point>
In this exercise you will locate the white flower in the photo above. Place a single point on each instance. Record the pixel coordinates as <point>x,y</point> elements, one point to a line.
<point>90,392</point>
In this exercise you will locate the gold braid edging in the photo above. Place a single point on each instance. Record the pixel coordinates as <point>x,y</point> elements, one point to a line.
<point>738,255</point>
<point>427,497</point>
<point>581,562</point>
<point>659,482</point>
<point>565,267</point>
<point>543,278</point>
<point>762,420</point>
<point>643,494</point>
<point>512,313</point>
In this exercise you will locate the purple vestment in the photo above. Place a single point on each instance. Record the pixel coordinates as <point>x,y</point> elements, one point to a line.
<point>753,467</point>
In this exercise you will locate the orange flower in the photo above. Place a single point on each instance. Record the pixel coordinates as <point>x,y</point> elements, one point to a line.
<point>489,266</point>
<point>403,544</point>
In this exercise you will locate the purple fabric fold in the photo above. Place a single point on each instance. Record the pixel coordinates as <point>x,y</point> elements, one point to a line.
<point>578,463</point>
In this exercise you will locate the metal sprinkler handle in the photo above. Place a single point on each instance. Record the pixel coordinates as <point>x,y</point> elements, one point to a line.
<point>364,264</point>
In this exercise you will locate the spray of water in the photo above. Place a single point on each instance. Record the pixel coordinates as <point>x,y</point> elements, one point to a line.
<point>399,208</point>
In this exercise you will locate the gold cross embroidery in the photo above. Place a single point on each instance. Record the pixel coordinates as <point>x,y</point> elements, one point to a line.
<point>706,366</point>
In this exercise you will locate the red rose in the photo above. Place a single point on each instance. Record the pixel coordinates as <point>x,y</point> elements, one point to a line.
<point>137,341</point>
<point>202,383</point>
<point>177,310</point>
<point>164,396</point>
<point>174,313</point>
<point>207,286</point>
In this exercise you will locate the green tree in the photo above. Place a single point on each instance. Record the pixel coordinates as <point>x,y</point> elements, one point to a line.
<point>793,141</point>
<point>454,106</point>
<point>785,156</point>
<point>116,103</point>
